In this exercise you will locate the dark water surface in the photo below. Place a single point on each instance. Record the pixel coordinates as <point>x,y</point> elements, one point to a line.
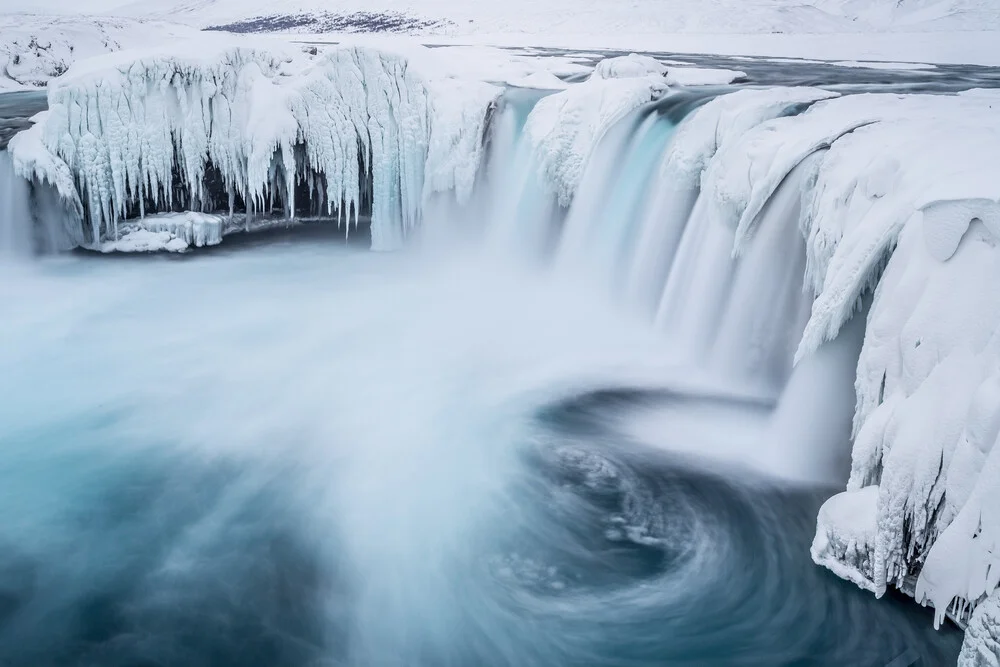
<point>607,554</point>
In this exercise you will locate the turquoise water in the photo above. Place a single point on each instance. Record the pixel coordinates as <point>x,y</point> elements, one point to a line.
<point>302,454</point>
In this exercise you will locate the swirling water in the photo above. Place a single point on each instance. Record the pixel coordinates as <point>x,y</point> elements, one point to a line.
<point>306,455</point>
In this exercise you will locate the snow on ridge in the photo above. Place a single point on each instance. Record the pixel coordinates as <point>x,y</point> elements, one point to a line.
<point>567,16</point>
<point>359,125</point>
<point>35,49</point>
<point>722,121</point>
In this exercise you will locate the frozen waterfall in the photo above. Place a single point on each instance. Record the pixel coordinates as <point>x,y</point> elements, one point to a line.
<point>774,237</point>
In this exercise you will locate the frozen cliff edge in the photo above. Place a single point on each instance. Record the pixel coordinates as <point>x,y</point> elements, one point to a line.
<point>355,131</point>
<point>914,225</point>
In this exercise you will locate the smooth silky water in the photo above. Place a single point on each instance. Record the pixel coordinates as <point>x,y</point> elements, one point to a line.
<point>307,454</point>
<point>289,451</point>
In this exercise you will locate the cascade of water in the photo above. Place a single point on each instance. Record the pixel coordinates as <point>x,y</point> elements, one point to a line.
<point>522,214</point>
<point>15,211</point>
<point>810,430</point>
<point>766,308</point>
<point>600,228</point>
<point>697,285</point>
<point>586,216</point>
<point>658,238</point>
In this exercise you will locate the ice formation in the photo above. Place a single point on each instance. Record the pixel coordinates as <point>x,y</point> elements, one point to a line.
<point>171,232</point>
<point>354,130</point>
<point>564,128</point>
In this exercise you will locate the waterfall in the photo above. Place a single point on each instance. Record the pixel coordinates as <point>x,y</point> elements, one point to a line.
<point>15,212</point>
<point>640,230</point>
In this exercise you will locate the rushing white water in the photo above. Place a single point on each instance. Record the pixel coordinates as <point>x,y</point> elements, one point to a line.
<point>15,212</point>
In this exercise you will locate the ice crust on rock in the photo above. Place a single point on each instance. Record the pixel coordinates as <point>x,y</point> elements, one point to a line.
<point>358,126</point>
<point>845,536</point>
<point>195,229</point>
<point>981,647</point>
<point>36,48</point>
<point>170,232</point>
<point>460,110</point>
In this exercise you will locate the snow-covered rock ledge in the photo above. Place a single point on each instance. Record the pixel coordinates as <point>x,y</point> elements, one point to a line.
<point>170,232</point>
<point>845,536</point>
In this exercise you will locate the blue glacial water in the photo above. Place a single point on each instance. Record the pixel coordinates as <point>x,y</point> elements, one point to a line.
<point>307,455</point>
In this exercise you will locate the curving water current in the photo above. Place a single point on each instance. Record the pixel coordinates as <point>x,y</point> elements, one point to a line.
<point>306,454</point>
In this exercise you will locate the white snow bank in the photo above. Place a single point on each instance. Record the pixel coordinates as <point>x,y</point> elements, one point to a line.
<point>142,240</point>
<point>358,125</point>
<point>927,393</point>
<point>845,536</point>
<point>723,121</point>
<point>628,67</point>
<point>35,49</point>
<point>564,128</point>
<point>538,80</point>
<point>635,65</point>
